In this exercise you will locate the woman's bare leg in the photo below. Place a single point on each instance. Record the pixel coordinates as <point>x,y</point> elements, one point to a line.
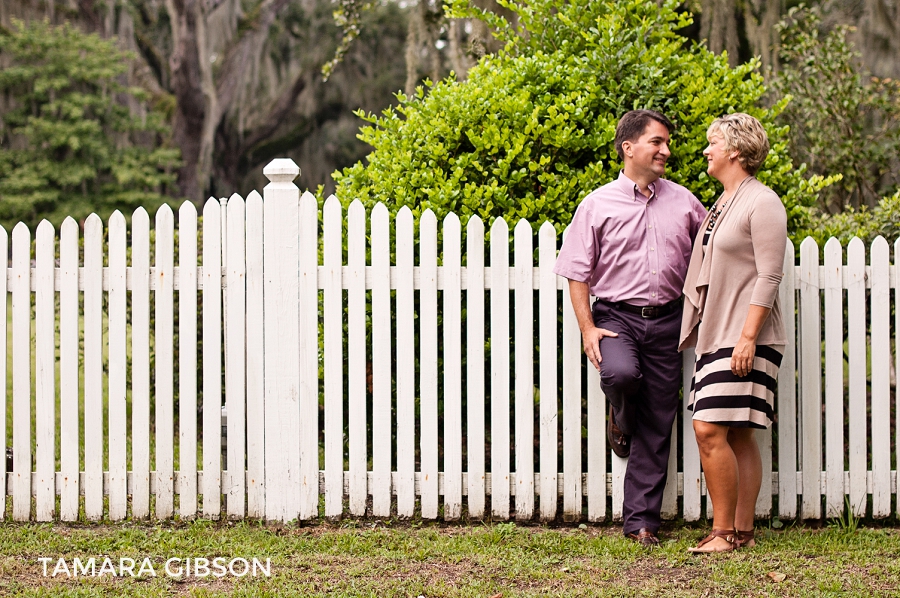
<point>720,466</point>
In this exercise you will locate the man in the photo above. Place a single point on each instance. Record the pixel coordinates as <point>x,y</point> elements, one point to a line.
<point>629,245</point>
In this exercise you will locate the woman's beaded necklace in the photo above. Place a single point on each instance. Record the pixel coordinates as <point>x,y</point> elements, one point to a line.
<point>715,215</point>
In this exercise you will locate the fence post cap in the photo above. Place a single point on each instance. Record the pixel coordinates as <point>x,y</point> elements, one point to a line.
<point>281,170</point>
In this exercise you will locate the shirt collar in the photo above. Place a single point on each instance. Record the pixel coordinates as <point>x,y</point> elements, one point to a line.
<point>629,185</point>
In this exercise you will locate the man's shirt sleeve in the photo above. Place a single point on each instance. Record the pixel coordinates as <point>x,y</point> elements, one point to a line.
<point>580,249</point>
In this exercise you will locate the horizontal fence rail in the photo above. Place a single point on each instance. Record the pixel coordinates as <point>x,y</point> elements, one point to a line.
<point>271,354</point>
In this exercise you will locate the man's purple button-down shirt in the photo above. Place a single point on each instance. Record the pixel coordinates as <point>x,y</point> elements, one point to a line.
<point>628,247</point>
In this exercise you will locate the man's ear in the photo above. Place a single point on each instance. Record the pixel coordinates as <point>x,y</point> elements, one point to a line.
<point>626,149</point>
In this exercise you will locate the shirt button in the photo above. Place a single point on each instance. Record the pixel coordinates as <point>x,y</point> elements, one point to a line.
<point>653,294</point>
<point>653,271</point>
<point>652,249</point>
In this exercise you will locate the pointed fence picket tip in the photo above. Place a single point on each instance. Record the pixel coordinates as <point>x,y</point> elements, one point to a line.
<point>332,203</point>
<point>879,241</point>
<point>164,210</point>
<point>186,208</point>
<point>281,170</point>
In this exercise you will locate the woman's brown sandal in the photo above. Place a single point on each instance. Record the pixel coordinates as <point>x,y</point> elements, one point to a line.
<point>744,539</point>
<point>729,535</point>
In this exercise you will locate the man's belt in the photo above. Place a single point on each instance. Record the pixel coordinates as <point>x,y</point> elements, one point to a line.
<point>649,312</point>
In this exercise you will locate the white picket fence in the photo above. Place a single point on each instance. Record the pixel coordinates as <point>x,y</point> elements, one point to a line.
<point>265,294</point>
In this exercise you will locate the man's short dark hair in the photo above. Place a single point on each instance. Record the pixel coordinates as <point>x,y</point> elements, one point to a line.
<point>632,124</point>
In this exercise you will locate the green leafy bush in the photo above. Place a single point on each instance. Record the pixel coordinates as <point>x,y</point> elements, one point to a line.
<point>531,131</point>
<point>865,223</point>
<point>69,143</point>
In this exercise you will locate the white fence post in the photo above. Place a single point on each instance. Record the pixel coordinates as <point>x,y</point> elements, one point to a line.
<point>281,260</point>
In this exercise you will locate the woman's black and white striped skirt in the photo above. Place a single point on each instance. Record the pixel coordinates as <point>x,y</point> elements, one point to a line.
<point>720,397</point>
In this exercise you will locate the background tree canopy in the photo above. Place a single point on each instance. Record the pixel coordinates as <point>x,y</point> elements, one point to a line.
<point>532,129</point>
<point>73,139</point>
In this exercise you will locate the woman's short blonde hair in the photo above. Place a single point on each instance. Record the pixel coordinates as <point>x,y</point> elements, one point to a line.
<point>745,134</point>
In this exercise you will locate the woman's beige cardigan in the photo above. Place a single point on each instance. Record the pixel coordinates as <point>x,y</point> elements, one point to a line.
<point>743,266</point>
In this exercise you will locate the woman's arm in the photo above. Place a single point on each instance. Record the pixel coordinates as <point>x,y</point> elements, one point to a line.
<point>745,349</point>
<point>768,238</point>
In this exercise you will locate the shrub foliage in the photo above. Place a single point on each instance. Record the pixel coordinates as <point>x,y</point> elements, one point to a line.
<point>531,131</point>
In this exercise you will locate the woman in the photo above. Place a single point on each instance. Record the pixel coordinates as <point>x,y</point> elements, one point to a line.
<point>732,316</point>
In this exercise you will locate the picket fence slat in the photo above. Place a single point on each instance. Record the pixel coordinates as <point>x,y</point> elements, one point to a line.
<point>856,349</point>
<point>356,356</point>
<point>4,265</point>
<point>255,364</point>
<point>381,363</point>
<point>524,370</point>
<point>880,297</point>
<point>69,436</point>
<point>669,507</point>
<point>452,353</point>
<point>896,270</point>
<point>212,361</point>
<point>333,314</point>
<point>309,353</point>
<point>787,394</point>
<point>596,448</point>
<point>428,364</point>
<point>834,380</point>
<point>500,357</point>
<point>140,361</point>
<point>573,356</point>
<point>163,344</point>
<point>690,464</point>
<point>475,380</point>
<point>44,373</point>
<point>547,354</point>
<point>93,367</point>
<point>810,379</point>
<point>117,300</point>
<point>406,495</point>
<point>21,308</point>
<point>235,356</point>
<point>187,359</point>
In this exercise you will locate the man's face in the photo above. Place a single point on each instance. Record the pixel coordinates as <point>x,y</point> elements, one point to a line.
<point>648,154</point>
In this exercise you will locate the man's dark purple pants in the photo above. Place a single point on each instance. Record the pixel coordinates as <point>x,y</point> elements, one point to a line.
<point>640,374</point>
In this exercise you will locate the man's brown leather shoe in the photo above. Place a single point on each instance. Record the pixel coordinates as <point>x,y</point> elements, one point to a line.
<point>645,538</point>
<point>619,442</point>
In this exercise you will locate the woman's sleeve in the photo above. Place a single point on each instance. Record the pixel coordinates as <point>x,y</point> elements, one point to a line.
<point>768,236</point>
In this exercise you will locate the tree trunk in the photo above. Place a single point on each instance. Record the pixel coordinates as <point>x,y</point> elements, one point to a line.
<point>718,25</point>
<point>760,18</point>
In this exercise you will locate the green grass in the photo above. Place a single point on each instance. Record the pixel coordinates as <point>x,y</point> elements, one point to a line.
<point>368,558</point>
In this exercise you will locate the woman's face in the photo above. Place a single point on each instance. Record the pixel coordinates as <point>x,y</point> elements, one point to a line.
<point>717,158</point>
